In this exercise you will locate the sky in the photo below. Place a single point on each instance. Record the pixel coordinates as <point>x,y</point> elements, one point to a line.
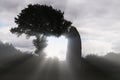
<point>98,22</point>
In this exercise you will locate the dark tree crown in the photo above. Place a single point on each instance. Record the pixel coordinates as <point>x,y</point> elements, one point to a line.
<point>41,19</point>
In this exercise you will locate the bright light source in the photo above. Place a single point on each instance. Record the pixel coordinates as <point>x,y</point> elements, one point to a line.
<point>56,48</point>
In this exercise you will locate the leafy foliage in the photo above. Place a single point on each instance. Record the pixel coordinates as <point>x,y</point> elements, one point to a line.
<point>40,19</point>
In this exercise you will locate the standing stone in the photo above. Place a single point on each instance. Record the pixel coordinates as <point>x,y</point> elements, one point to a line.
<point>74,48</point>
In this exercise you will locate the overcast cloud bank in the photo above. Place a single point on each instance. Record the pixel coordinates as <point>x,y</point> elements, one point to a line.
<point>98,22</point>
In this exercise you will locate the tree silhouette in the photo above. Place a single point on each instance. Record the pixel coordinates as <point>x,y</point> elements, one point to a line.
<point>40,21</point>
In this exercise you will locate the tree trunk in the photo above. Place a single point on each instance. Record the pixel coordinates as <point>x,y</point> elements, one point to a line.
<point>39,43</point>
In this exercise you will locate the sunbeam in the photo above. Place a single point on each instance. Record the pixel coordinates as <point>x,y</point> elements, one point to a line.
<point>56,48</point>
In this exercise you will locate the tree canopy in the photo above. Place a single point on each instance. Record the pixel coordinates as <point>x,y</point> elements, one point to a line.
<point>40,19</point>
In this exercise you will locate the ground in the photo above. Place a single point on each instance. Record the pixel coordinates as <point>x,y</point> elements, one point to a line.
<point>30,67</point>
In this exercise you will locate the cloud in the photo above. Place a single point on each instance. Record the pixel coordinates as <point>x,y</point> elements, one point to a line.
<point>19,42</point>
<point>97,21</point>
<point>9,6</point>
<point>96,47</point>
<point>58,4</point>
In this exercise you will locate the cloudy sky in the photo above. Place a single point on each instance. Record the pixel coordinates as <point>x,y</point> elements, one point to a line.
<point>98,22</point>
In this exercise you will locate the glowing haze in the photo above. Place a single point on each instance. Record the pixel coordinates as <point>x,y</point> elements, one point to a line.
<point>57,47</point>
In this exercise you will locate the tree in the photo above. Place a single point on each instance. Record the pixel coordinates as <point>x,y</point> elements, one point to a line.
<point>40,21</point>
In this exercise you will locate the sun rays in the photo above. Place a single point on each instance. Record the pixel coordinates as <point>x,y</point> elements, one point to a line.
<point>56,48</point>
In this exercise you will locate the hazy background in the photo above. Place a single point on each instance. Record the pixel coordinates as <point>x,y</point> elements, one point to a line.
<point>98,22</point>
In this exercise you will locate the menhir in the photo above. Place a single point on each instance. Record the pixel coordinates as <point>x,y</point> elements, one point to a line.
<point>74,48</point>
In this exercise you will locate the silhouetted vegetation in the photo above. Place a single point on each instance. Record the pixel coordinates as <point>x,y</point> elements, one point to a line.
<point>40,20</point>
<point>109,64</point>
<point>7,49</point>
